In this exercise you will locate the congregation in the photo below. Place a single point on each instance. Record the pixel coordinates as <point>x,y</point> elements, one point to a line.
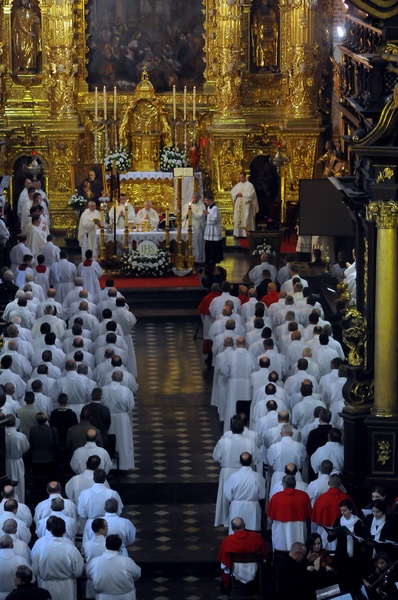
<point>278,378</point>
<point>67,383</point>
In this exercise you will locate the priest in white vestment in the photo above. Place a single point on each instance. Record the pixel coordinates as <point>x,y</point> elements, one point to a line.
<point>245,202</point>
<point>58,564</point>
<point>147,214</point>
<point>123,209</point>
<point>241,365</point>
<point>219,389</point>
<point>227,452</point>
<point>244,489</point>
<point>16,446</point>
<point>120,401</point>
<point>199,220</point>
<point>90,271</point>
<point>88,225</point>
<point>286,451</point>
<point>35,236</point>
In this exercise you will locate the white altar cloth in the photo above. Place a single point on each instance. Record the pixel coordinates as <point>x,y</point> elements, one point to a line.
<point>158,237</point>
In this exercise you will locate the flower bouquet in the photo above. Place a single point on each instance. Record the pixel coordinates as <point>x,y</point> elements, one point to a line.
<point>134,264</point>
<point>172,157</point>
<point>77,202</point>
<point>122,158</point>
<point>264,247</point>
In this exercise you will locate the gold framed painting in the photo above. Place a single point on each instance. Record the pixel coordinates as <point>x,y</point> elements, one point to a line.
<point>89,181</point>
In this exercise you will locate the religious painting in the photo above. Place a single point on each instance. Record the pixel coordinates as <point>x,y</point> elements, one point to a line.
<point>89,181</point>
<point>165,36</point>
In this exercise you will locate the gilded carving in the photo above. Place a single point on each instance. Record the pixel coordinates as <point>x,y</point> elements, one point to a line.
<point>385,174</point>
<point>230,64</point>
<point>384,214</point>
<point>361,393</point>
<point>228,158</point>
<point>384,452</point>
<point>355,336</point>
<point>62,83</point>
<point>62,153</point>
<point>26,39</point>
<point>302,152</point>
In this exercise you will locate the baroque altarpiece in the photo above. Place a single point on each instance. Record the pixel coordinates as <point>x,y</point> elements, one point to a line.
<point>259,68</point>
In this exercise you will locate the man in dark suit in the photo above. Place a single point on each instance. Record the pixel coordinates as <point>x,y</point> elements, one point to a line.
<point>319,436</point>
<point>262,288</point>
<point>76,436</point>
<point>100,415</point>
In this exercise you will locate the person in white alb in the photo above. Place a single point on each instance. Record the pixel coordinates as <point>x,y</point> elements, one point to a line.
<point>198,225</point>
<point>123,208</point>
<point>245,202</point>
<point>147,214</point>
<point>112,574</point>
<point>244,489</point>
<point>88,225</point>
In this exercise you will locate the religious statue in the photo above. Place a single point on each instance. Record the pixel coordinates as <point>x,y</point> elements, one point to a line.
<point>340,166</point>
<point>26,41</point>
<point>194,156</point>
<point>265,36</point>
<point>328,159</point>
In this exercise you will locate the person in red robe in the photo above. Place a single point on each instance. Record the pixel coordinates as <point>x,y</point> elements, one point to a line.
<point>327,507</point>
<point>271,296</point>
<point>243,294</point>
<point>240,541</point>
<point>289,511</point>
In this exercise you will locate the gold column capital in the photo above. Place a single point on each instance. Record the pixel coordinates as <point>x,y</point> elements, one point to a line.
<point>384,214</point>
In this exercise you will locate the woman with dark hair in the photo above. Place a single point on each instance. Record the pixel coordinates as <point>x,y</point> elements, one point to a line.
<point>380,584</point>
<point>379,526</point>
<point>319,562</point>
<point>348,530</point>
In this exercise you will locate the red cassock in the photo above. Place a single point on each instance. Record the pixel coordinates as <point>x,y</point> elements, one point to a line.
<point>239,542</point>
<point>327,507</point>
<point>203,309</point>
<point>289,505</point>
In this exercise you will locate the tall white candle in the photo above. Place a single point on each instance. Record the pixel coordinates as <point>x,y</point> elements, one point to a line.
<point>105,115</point>
<point>185,102</point>
<point>96,104</point>
<point>114,103</point>
<point>194,103</point>
<point>174,103</point>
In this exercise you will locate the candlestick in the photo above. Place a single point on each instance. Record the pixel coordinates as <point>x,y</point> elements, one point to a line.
<point>167,215</point>
<point>102,214</point>
<point>114,104</point>
<point>96,104</point>
<point>185,102</point>
<point>105,115</point>
<point>194,103</point>
<point>174,103</point>
<point>189,215</point>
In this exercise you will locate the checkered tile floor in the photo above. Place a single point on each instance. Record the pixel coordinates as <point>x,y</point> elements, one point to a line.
<point>170,496</point>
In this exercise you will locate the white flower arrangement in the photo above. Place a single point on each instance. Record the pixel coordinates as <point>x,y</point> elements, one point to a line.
<point>171,157</point>
<point>134,264</point>
<point>264,247</point>
<point>76,201</point>
<point>122,158</point>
